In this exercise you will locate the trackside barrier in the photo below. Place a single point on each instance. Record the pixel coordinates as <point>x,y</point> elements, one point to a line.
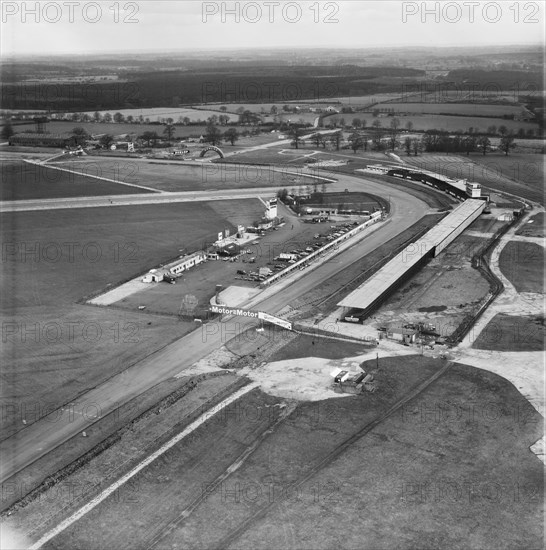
<point>375,217</point>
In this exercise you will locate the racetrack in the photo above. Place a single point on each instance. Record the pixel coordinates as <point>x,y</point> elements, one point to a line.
<point>44,435</point>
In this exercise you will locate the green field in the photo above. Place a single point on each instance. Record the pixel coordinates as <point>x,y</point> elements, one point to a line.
<point>523,265</point>
<point>21,181</point>
<point>512,333</point>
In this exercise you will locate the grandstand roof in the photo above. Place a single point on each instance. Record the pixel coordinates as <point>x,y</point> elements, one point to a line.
<point>388,275</point>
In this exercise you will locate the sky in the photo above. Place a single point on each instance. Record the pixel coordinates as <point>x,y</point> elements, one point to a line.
<point>78,27</point>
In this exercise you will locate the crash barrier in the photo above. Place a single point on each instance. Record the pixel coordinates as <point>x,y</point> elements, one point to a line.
<point>375,217</point>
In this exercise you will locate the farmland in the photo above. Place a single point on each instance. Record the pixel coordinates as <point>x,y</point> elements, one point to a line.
<point>293,475</point>
<point>158,113</point>
<point>21,180</point>
<point>116,129</point>
<point>449,123</point>
<point>460,109</point>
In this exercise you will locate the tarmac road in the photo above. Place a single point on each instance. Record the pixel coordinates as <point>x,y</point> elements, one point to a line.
<point>37,439</point>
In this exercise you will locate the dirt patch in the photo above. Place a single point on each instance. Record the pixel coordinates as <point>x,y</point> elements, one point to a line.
<point>523,265</point>
<point>432,308</point>
<point>513,333</point>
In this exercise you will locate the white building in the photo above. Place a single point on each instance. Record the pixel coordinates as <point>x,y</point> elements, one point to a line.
<point>473,190</point>
<point>187,262</point>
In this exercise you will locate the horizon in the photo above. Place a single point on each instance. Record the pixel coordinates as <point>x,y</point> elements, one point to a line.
<point>175,27</point>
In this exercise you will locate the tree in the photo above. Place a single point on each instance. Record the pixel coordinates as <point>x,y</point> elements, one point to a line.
<point>335,138</point>
<point>356,142</point>
<point>213,135</point>
<point>295,135</point>
<point>492,130</point>
<point>231,135</point>
<point>484,144</point>
<point>96,116</point>
<point>223,119</point>
<point>282,194</point>
<point>469,144</point>
<point>378,135</point>
<point>408,145</point>
<point>130,119</point>
<point>316,139</point>
<point>149,137</point>
<point>409,125</point>
<point>393,133</point>
<point>342,122</point>
<point>417,147</point>
<point>364,123</point>
<point>213,119</point>
<point>223,108</point>
<point>375,113</point>
<point>507,143</point>
<point>240,110</point>
<point>503,130</point>
<point>106,140</point>
<point>357,123</point>
<point>186,120</point>
<point>79,131</point>
<point>107,117</point>
<point>118,117</point>
<point>7,130</point>
<point>274,110</point>
<point>168,131</point>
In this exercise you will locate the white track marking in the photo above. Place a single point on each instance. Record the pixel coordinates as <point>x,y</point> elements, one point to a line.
<point>146,462</point>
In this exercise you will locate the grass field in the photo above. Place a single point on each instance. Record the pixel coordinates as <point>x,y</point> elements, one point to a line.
<point>116,129</point>
<point>21,181</point>
<point>177,176</point>
<point>349,201</point>
<point>512,333</point>
<point>442,465</point>
<point>534,227</point>
<point>523,265</point>
<point>461,109</point>
<point>157,113</point>
<point>449,123</point>
<point>55,348</point>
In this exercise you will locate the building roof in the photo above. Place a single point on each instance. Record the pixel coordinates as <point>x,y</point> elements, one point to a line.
<point>43,136</point>
<point>388,275</point>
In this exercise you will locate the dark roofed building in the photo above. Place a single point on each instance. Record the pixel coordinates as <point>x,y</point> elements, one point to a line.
<point>46,140</point>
